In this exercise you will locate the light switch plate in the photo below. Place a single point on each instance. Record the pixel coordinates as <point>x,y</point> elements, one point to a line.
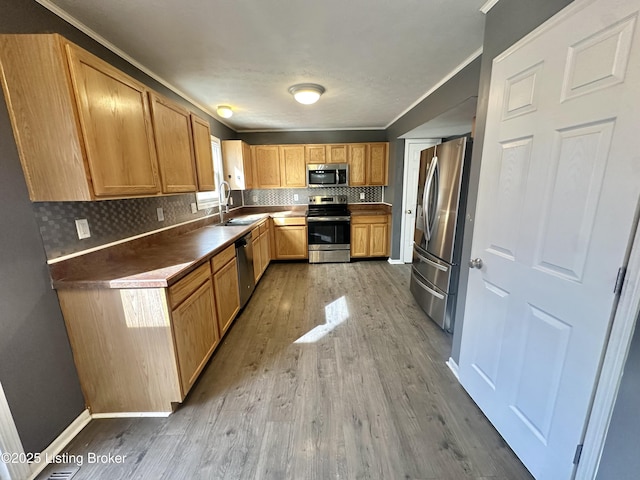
<point>160,213</point>
<point>361,195</point>
<point>82,227</point>
<point>194,208</point>
<point>295,197</point>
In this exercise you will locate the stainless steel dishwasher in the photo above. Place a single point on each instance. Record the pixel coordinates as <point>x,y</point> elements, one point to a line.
<point>244,260</point>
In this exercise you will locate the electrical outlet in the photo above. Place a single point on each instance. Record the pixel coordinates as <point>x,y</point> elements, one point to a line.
<point>295,197</point>
<point>255,199</point>
<point>160,213</point>
<point>194,208</point>
<point>82,227</point>
<point>361,195</point>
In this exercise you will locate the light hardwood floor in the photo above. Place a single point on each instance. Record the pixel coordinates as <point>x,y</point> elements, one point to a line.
<point>367,396</point>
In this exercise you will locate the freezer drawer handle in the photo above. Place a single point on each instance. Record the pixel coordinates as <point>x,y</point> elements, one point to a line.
<point>430,290</point>
<point>431,262</point>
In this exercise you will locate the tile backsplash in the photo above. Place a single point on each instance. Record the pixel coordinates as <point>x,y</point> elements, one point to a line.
<point>287,196</point>
<point>109,220</point>
<point>113,220</point>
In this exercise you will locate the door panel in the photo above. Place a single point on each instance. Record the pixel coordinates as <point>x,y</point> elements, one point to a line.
<point>559,185</point>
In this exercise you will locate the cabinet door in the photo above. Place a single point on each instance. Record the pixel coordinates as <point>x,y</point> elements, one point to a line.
<point>225,282</point>
<point>114,117</point>
<point>291,242</point>
<point>247,163</point>
<point>336,153</point>
<point>379,240</point>
<point>378,165</point>
<point>360,240</point>
<point>293,169</point>
<point>315,154</point>
<point>172,133</point>
<point>265,249</point>
<point>257,254</point>
<point>358,164</point>
<point>195,333</point>
<point>203,154</point>
<point>267,166</point>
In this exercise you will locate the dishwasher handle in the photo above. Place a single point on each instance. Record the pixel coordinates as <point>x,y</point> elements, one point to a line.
<point>244,241</point>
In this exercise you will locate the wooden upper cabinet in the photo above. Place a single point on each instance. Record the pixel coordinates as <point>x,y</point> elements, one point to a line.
<point>238,165</point>
<point>267,165</point>
<point>293,170</point>
<point>172,132</point>
<point>315,154</point>
<point>82,127</point>
<point>116,124</point>
<point>368,164</point>
<point>378,166</point>
<point>204,156</point>
<point>336,153</point>
<point>358,155</point>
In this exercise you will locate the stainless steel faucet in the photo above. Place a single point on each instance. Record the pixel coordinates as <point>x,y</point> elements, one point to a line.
<point>227,194</point>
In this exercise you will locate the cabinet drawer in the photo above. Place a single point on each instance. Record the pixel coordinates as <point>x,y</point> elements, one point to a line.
<point>281,221</point>
<point>221,259</point>
<point>263,227</point>
<point>186,286</point>
<point>369,219</point>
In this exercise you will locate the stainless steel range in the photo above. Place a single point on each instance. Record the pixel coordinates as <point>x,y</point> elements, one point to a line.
<point>329,229</point>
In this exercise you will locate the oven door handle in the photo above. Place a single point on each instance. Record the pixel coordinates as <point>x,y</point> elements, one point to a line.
<point>328,219</point>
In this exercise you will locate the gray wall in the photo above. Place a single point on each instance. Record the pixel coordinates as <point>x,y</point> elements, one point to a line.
<point>36,367</point>
<point>458,89</point>
<point>506,23</point>
<point>332,136</point>
<point>620,459</point>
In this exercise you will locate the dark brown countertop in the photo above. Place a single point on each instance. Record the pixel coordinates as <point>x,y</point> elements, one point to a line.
<point>160,260</point>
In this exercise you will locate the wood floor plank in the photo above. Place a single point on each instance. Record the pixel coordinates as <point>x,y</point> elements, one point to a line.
<point>331,371</point>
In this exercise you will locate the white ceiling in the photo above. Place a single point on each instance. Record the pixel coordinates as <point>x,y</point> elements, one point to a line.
<point>376,58</point>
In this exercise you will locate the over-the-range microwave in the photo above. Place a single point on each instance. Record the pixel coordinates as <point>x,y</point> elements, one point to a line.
<point>328,175</point>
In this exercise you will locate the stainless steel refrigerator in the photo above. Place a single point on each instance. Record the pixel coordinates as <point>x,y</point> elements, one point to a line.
<point>437,243</point>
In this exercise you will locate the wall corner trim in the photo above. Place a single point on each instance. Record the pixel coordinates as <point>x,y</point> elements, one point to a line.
<point>453,366</point>
<point>488,6</point>
<point>59,443</point>
<point>395,261</point>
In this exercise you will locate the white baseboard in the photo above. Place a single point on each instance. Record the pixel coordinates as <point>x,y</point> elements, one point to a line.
<point>394,261</point>
<point>131,415</point>
<point>59,443</point>
<point>453,366</point>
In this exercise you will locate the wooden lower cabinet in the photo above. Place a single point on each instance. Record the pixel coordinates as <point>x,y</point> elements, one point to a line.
<point>369,236</point>
<point>260,238</point>
<point>290,238</point>
<point>141,349</point>
<point>225,284</point>
<point>195,333</point>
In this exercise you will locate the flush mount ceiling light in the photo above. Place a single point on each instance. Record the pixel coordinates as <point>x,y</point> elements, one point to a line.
<point>306,93</point>
<point>224,111</point>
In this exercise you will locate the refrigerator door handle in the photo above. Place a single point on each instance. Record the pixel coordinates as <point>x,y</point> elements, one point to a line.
<point>429,215</point>
<point>428,289</point>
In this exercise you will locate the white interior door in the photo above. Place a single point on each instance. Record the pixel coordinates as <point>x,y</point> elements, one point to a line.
<point>412,151</point>
<point>559,185</point>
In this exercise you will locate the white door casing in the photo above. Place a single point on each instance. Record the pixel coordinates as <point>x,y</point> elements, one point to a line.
<point>412,150</point>
<point>10,443</point>
<point>559,185</point>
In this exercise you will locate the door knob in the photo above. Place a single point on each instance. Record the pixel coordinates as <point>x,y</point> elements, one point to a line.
<point>409,212</point>
<point>476,263</point>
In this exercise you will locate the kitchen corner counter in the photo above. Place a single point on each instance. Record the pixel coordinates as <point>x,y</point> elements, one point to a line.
<point>149,265</point>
